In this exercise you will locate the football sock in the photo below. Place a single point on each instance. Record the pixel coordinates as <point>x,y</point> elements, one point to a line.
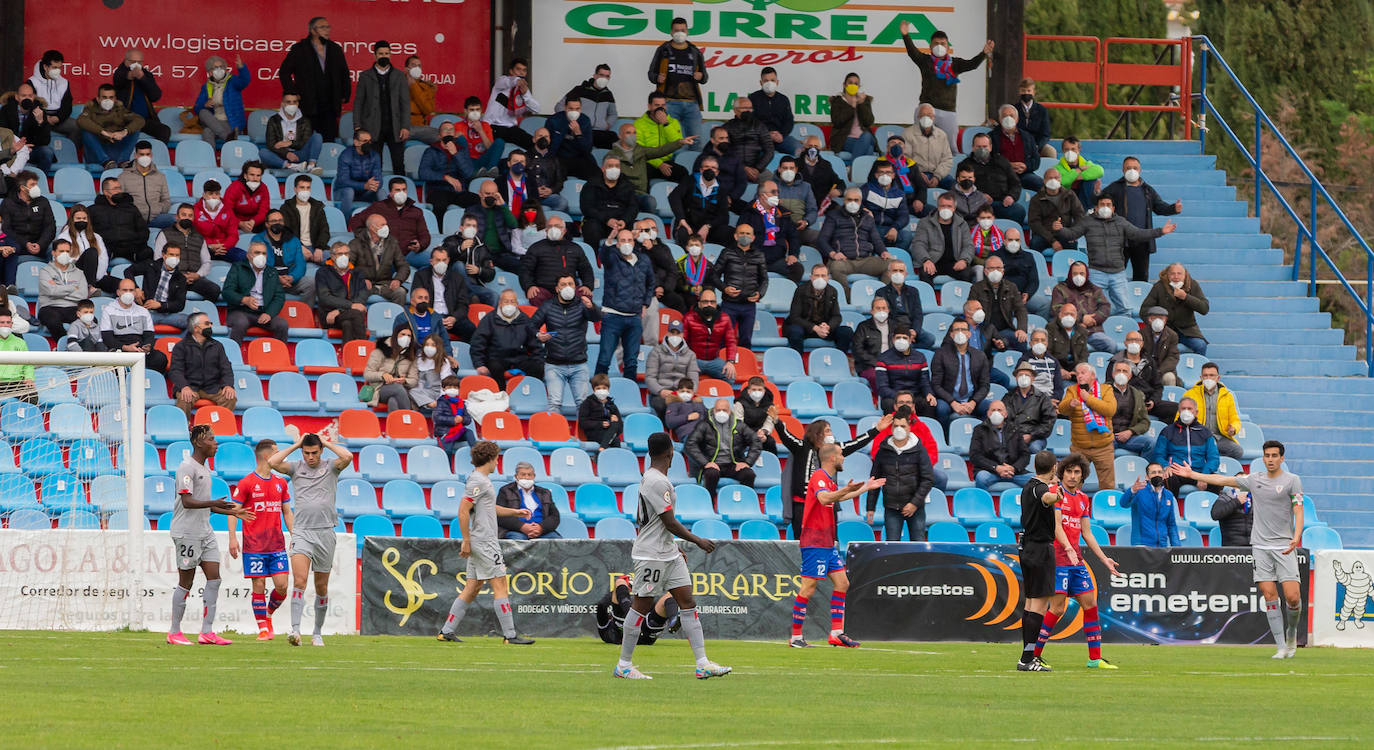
<point>455,615</point>
<point>260,608</point>
<point>837,612</point>
<point>691,625</point>
<point>321,610</point>
<point>504,618</point>
<point>1093,631</point>
<point>179,595</point>
<point>274,601</point>
<point>1290,631</point>
<point>1046,628</point>
<point>798,616</point>
<point>207,623</point>
<point>297,609</point>
<point>1030,633</point>
<point>1275,617</point>
<point>634,622</point>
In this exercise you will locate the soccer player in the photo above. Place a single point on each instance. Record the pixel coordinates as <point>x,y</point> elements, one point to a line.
<point>264,547</point>
<point>820,557</point>
<point>1037,558</point>
<point>481,546</point>
<point>1276,499</point>
<point>195,540</point>
<point>313,482</point>
<point>660,566</point>
<point>611,611</point>
<point>1071,577</point>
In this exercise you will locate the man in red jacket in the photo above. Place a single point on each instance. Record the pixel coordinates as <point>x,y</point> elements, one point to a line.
<point>404,217</point>
<point>216,223</point>
<point>708,331</point>
<point>248,198</point>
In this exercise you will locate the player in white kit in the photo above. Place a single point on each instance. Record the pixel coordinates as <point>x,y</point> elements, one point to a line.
<point>660,566</point>
<point>195,540</point>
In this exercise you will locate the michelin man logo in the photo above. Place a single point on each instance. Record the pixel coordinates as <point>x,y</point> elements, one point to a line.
<point>1358,588</point>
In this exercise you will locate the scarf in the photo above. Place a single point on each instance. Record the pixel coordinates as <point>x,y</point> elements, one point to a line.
<point>944,70</point>
<point>903,171</point>
<point>455,406</point>
<point>1093,421</point>
<point>695,270</point>
<point>994,240</point>
<point>517,193</point>
<point>770,222</point>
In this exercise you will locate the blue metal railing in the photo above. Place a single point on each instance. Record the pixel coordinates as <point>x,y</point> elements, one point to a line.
<point>1307,229</point>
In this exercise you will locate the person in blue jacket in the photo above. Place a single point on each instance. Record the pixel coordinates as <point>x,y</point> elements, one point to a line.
<point>284,253</point>
<point>219,103</point>
<point>1154,511</point>
<point>360,173</point>
<point>1186,441</point>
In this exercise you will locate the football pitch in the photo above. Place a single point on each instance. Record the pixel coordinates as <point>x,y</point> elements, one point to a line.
<point>130,690</point>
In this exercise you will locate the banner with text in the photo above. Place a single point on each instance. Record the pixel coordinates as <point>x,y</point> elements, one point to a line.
<point>77,579</point>
<point>939,592</point>
<point>1342,613</point>
<point>812,43</point>
<point>744,589</point>
<point>450,36</point>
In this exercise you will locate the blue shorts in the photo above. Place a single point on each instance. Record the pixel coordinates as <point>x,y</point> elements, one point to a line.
<point>820,562</point>
<point>264,564</point>
<point>1072,580</point>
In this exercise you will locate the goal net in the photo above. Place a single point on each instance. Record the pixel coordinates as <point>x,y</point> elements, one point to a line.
<point>72,468</point>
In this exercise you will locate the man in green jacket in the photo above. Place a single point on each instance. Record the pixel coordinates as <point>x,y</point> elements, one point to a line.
<point>1079,174</point>
<point>657,128</point>
<point>10,342</point>
<point>635,158</point>
<point>253,294</point>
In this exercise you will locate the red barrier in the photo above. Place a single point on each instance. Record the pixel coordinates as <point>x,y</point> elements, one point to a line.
<point>1143,74</point>
<point>1059,71</point>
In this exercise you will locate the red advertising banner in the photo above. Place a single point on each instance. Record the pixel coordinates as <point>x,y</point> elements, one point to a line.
<point>452,38</point>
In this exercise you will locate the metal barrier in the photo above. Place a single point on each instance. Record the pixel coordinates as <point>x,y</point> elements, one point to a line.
<point>1102,73</point>
<point>1307,230</point>
<point>1058,71</point>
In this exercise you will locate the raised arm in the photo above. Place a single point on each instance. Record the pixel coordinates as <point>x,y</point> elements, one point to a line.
<point>278,459</point>
<point>1182,470</point>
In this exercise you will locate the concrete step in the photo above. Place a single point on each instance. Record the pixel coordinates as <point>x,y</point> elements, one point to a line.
<point>1320,484</point>
<point>1285,386</point>
<point>1279,415</point>
<point>1331,367</point>
<point>1341,501</point>
<point>1327,459</point>
<point>1202,241</point>
<point>1280,351</point>
<point>1220,307</point>
<point>1266,319</point>
<point>1214,273</point>
<point>1324,337</point>
<point>1126,147</point>
<point>1209,208</point>
<point>1341,520</point>
<point>1188,194</point>
<point>1210,225</point>
<point>1163,180</point>
<point>1265,256</point>
<point>1357,537</point>
<point>1315,405</point>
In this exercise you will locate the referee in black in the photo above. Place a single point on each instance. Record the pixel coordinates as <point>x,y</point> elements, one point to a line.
<point>1037,557</point>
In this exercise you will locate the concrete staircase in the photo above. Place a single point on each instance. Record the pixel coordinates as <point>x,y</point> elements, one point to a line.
<point>1291,372</point>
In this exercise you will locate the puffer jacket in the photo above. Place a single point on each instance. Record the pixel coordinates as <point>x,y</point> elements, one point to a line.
<point>854,235</point>
<point>994,176</point>
<point>690,205</point>
<point>928,242</point>
<point>356,169</point>
<point>868,342</point>
<point>1088,299</point>
<point>547,260</point>
<point>201,366</point>
<point>237,81</point>
<point>1188,444</point>
<point>1104,404</point>
<point>1236,523</point>
<point>406,222</point>
<point>1107,240</point>
<point>505,339</point>
<point>650,134</point>
<point>1032,415</point>
<point>707,341</point>
<point>1045,208</point>
<point>799,198</point>
<point>597,104</point>
<point>987,450</point>
<point>721,443</point>
<point>568,322</point>
<point>1153,203</point>
<point>746,271</point>
<point>888,204</point>
<point>909,474</point>
<point>752,140</point>
<point>666,366</point>
<point>902,372</point>
<point>1182,313</point>
<point>1227,414</point>
<point>29,222</point>
<point>634,162</point>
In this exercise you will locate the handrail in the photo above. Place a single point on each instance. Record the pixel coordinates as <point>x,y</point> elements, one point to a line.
<point>1306,230</point>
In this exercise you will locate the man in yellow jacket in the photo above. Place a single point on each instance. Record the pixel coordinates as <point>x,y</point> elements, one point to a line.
<point>657,128</point>
<point>1216,408</point>
<point>1089,408</point>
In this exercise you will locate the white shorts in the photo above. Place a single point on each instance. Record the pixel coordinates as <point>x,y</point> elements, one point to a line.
<point>194,550</point>
<point>656,577</point>
<point>318,545</point>
<point>1273,565</point>
<point>485,562</point>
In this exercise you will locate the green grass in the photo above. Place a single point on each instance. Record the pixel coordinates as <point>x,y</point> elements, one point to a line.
<point>129,690</point>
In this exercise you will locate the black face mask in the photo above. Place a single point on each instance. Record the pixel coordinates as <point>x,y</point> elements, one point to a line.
<point>722,147</point>
<point>542,143</point>
<point>489,201</point>
<point>1028,98</point>
<point>1156,482</point>
<point>383,62</point>
<point>746,116</point>
<point>80,226</point>
<point>185,224</point>
<point>965,184</point>
<point>707,312</point>
<point>813,153</point>
<point>122,198</point>
<point>708,174</point>
<point>276,228</point>
<point>448,139</point>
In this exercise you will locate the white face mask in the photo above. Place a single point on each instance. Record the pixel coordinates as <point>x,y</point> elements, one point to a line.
<point>440,268</point>
<point>1024,381</point>
<point>898,278</point>
<point>1104,212</point>
<point>819,284</point>
<point>290,110</point>
<point>341,262</point>
<point>403,341</point>
<point>900,434</point>
<point>218,74</point>
<point>1176,284</point>
<point>946,214</point>
<point>1132,347</point>
<point>1053,183</point>
<point>722,416</point>
<point>1186,417</point>
<point>1071,157</point>
<point>416,73</point>
<point>1012,246</point>
<point>431,350</point>
<point>679,36</point>
<point>451,392</point>
<point>685,395</point>
<point>771,200</point>
<point>509,311</point>
<point>644,237</point>
<point>171,261</point>
<point>694,250</point>
<point>995,277</point>
<point>107,104</point>
<point>884,179</point>
<point>626,248</point>
<point>602,393</point>
<point>829,439</point>
<point>1121,379</point>
<point>64,258</point>
<point>1209,383</point>
<point>996,418</point>
<point>1157,325</point>
<point>770,87</point>
<point>383,232</point>
<point>88,318</point>
<point>788,175</point>
<point>1079,279</point>
<point>880,316</point>
<point>1067,321</point>
<point>674,340</point>
<point>126,299</point>
<point>567,293</point>
<point>1132,175</point>
<point>400,198</point>
<point>926,122</point>
<point>612,173</point>
<point>303,196</point>
<point>756,395</point>
<point>1008,122</point>
<point>259,261</point>
<point>55,73</point>
<point>985,224</point>
<point>555,233</point>
<point>979,316</point>
<point>960,338</point>
<point>1038,349</point>
<point>35,192</point>
<point>851,206</point>
<point>5,332</point>
<point>145,161</point>
<point>601,83</point>
<point>525,484</point>
<point>901,345</point>
<point>211,204</point>
<point>474,115</point>
<point>939,50</point>
<point>469,232</point>
<point>252,185</point>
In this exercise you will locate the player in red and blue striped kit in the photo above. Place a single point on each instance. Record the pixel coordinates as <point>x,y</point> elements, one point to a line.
<point>1071,575</point>
<point>264,547</point>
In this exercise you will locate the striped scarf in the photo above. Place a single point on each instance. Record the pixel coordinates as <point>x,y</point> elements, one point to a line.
<point>1093,421</point>
<point>993,240</point>
<point>944,69</point>
<point>695,270</point>
<point>770,222</point>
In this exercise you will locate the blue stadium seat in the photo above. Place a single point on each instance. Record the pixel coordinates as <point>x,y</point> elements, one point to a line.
<point>1189,368</point>
<point>1251,439</point>
<point>61,492</point>
<point>265,423</point>
<point>1107,510</point>
<point>372,524</point>
<point>159,495</point>
<point>155,389</point>
<point>1228,466</point>
<point>953,295</point>
<point>783,366</point>
<point>289,392</point>
<point>176,453</point>
<point>164,521</point>
<point>166,424</point>
<point>1101,535</point>
<point>1117,326</point>
<point>1128,468</point>
<point>423,527</point>
<point>380,463</point>
<point>778,298</point>
<point>857,467</point>
<point>694,503</point>
<point>200,178</point>
<point>1309,513</point>
<point>806,398</point>
<point>618,467</point>
<point>29,519</point>
<point>1318,537</point>
<point>594,502</point>
<point>20,420</point>
<point>54,387</point>
<point>772,504</point>
<point>234,461</point>
<point>626,394</point>
<point>234,153</point>
<point>638,428</point>
<point>402,497</point>
<point>37,342</point>
<point>17,491</point>
<point>961,434</point>
<point>766,331</point>
<point>119,520</point>
<point>973,506</point>
<point>381,316</point>
<point>514,456</point>
<point>38,456</point>
<point>1060,438</point>
<point>444,498</point>
<point>1191,537</point>
<point>1059,265</point>
<point>1123,535</point>
<point>428,464</point>
<point>90,457</point>
<point>853,399</point>
<point>336,392</point>
<point>761,530</point>
<point>946,531</point>
<point>109,492</point>
<point>738,504</point>
<point>767,472</point>
<point>355,497</point>
<point>829,366</point>
<point>529,397</point>
<point>994,532</point>
<point>710,528</point>
<point>853,531</point>
<point>1009,507</point>
<point>26,277</point>
<point>73,185</point>
<point>571,466</point>
<point>248,388</point>
<point>956,470</point>
<point>68,422</point>
<point>560,498</point>
<point>1197,510</point>
<point>571,527</point>
<point>312,352</point>
<point>614,527</point>
<point>936,323</point>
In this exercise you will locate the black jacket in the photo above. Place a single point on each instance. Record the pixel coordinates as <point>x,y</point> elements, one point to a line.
<point>1004,299</point>
<point>503,339</point>
<point>746,271</point>
<point>35,130</point>
<point>868,341</point>
<point>321,90</point>
<point>1153,203</point>
<point>944,373</point>
<point>733,180</point>
<point>752,141</point>
<point>202,366</point>
<point>821,177</point>
<point>808,309</point>
<point>666,271</point>
<point>477,254</point>
<point>1036,120</point>
<point>1148,379</point>
<point>909,476</point>
<point>593,411</point>
<point>1023,269</point>
<point>33,222</point>
<point>544,170</point>
<point>1229,511</point>
<point>775,111</point>
<point>691,206</point>
<point>1032,415</point>
<point>509,497</point>
<point>121,225</point>
<point>176,290</point>
<point>996,177</point>
<point>902,372</point>
<point>456,295</point>
<point>854,235</point>
<point>330,293</point>
<point>319,223</point>
<point>600,203</point>
<point>785,242</point>
<point>905,303</point>
<point>547,260</point>
<point>987,450</point>
<point>727,443</point>
<point>567,322</point>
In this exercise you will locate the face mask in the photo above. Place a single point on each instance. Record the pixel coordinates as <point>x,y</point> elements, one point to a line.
<point>185,223</point>
<point>674,340</point>
<point>1008,122</point>
<point>416,72</point>
<point>1156,482</point>
<point>474,115</point>
<point>107,104</point>
<point>756,395</point>
<point>722,417</point>
<point>685,395</point>
<point>1053,184</point>
<point>35,191</point>
<point>212,204</point>
<point>1104,212</point>
<point>5,332</point>
<point>1157,325</point>
<point>1186,417</point>
<point>901,345</point>
<point>127,298</point>
<point>567,293</point>
<point>525,484</point>
<point>996,418</point>
<point>87,318</point>
<point>1038,349</point>
<point>884,179</point>
<point>851,206</point>
<point>896,150</point>
<point>602,393</point>
<point>1012,246</point>
<point>770,87</point>
<point>898,278</point>
<point>64,258</point>
<point>818,284</point>
<point>939,50</point>
<point>746,116</point>
<point>601,83</point>
<point>771,200</point>
<point>1132,347</point>
<point>982,154</point>
<point>694,251</point>
<point>851,89</point>
<point>403,341</point>
<point>542,143</point>
<point>145,161</point>
<point>979,316</point>
<point>290,110</point>
<point>1176,284</point>
<point>1067,321</point>
<point>788,175</point>
<point>469,232</point>
<point>80,226</point>
<point>679,37</point>
<point>1121,379</point>
<point>960,338</point>
<point>744,240</point>
<point>1209,383</point>
<point>341,262</point>
<point>900,434</point>
<point>431,350</point>
<point>276,228</point>
<point>1028,98</point>
<point>1079,279</point>
<point>218,74</point>
<point>171,261</point>
<point>631,140</point>
<point>644,237</point>
<point>813,153</point>
<point>926,122</point>
<point>383,232</point>
<point>555,233</point>
<point>880,316</point>
<point>829,439</point>
<point>399,198</point>
<point>985,224</point>
<point>612,173</point>
<point>995,277</point>
<point>1023,380</point>
<point>1132,175</point>
<point>1071,157</point>
<point>259,262</point>
<point>626,248</point>
<point>946,214</point>
<point>708,175</point>
<point>966,185</point>
<point>55,73</point>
